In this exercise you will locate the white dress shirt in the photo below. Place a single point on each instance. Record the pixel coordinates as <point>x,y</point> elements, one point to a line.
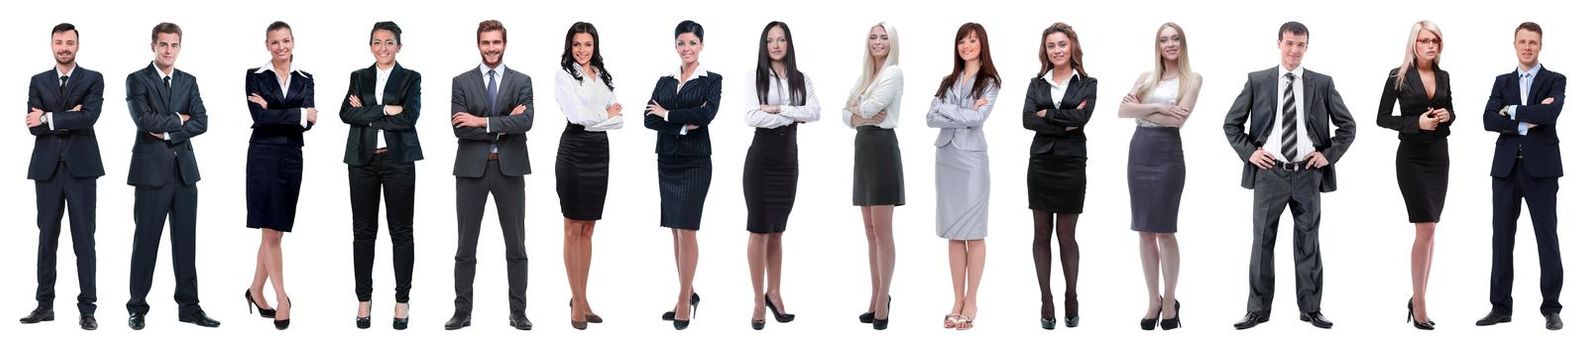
<point>584,101</point>
<point>381,77</point>
<point>779,94</point>
<point>1526,78</point>
<point>49,117</point>
<point>163,76</point>
<point>699,72</point>
<point>1060,88</point>
<point>302,113</point>
<point>1304,144</point>
<point>883,94</point>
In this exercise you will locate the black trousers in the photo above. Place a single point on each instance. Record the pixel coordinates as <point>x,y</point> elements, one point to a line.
<point>55,196</point>
<point>1541,197</point>
<point>471,194</point>
<point>151,206</point>
<point>1299,191</point>
<point>366,183</point>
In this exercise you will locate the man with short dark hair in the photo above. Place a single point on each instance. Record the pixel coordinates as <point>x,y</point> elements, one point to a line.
<point>168,112</point>
<point>63,105</point>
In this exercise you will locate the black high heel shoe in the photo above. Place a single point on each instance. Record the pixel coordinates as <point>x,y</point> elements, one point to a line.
<point>590,318</point>
<point>870,317</point>
<point>1169,324</point>
<point>1150,323</point>
<point>1411,318</point>
<point>757,324</point>
<point>401,323</point>
<point>693,299</point>
<point>777,312</point>
<point>282,324</point>
<point>1071,306</point>
<point>693,306</point>
<point>263,312</point>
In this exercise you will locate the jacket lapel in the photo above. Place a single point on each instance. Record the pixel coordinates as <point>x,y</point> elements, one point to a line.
<point>1073,90</point>
<point>1314,122</point>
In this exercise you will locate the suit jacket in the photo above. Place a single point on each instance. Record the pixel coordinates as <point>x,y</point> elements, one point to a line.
<point>1540,144</point>
<point>1258,104</point>
<point>506,132</point>
<point>695,104</point>
<point>1051,138</point>
<point>960,122</point>
<point>1412,102</point>
<point>282,123</point>
<point>72,140</point>
<point>367,122</point>
<point>157,109</point>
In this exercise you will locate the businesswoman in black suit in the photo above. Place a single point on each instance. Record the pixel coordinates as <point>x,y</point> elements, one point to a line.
<point>380,109</point>
<point>281,101</point>
<point>783,98</point>
<point>1057,106</point>
<point>680,110</point>
<point>1426,110</point>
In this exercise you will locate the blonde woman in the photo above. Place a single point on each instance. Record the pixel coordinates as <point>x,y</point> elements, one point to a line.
<point>1426,110</point>
<point>872,110</point>
<point>1160,102</point>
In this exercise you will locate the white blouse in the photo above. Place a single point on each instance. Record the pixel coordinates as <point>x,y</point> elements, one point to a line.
<point>882,95</point>
<point>584,102</point>
<point>780,95</point>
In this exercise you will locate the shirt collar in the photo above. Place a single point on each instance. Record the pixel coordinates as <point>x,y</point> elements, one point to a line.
<point>1299,73</point>
<point>161,73</point>
<point>59,74</point>
<point>270,67</point>
<point>699,71</point>
<point>500,70</point>
<point>1049,80</point>
<point>1532,71</point>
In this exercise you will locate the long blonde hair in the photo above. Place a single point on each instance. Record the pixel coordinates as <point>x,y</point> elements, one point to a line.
<point>1186,78</point>
<point>866,73</point>
<point>1409,50</point>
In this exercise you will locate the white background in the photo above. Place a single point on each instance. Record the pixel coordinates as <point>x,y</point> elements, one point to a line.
<point>1364,232</point>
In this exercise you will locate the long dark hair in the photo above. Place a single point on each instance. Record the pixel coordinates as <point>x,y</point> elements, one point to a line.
<point>1076,57</point>
<point>988,71</point>
<point>594,59</point>
<point>795,79</point>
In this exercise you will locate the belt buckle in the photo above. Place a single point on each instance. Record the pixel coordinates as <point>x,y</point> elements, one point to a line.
<point>1290,166</point>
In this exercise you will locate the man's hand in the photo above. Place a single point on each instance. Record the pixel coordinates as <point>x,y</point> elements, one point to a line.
<point>35,117</point>
<point>1261,159</point>
<point>460,120</point>
<point>519,110</point>
<point>186,118</point>
<point>1315,160</point>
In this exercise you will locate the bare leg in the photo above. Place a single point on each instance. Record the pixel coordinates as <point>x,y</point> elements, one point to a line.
<point>757,263</point>
<point>586,251</point>
<point>572,233</point>
<point>1042,247</point>
<point>261,272</point>
<point>1070,249</point>
<point>957,263</point>
<point>886,255</point>
<point>976,264</point>
<point>1150,263</point>
<point>773,270</point>
<point>875,263</point>
<point>688,261</point>
<point>273,264</point>
<point>1167,246</point>
<point>1421,266</point>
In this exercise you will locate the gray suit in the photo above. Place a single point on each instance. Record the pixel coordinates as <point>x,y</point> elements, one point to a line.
<point>1297,189</point>
<point>491,161</point>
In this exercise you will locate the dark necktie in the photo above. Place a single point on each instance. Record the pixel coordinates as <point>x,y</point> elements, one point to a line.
<point>167,83</point>
<point>63,86</point>
<point>490,93</point>
<point>1291,137</point>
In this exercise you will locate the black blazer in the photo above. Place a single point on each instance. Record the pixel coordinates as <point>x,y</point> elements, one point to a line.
<point>402,142</point>
<point>1051,138</point>
<point>1412,102</point>
<point>507,132</point>
<point>72,141</point>
<point>156,109</point>
<point>1540,144</point>
<point>695,104</point>
<point>282,123</point>
<point>1258,103</point>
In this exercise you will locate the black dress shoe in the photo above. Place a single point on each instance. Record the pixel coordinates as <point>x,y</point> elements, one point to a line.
<point>39,315</point>
<point>521,322</point>
<point>1553,322</point>
<point>1316,319</point>
<point>135,322</point>
<point>198,318</point>
<point>458,321</point>
<point>88,322</point>
<point>1493,317</point>
<point>1252,319</point>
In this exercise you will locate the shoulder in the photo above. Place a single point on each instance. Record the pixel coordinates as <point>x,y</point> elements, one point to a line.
<point>892,71</point>
<point>713,76</point>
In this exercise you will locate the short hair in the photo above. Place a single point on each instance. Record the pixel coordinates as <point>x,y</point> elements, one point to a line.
<point>396,32</point>
<point>1295,28</point>
<point>1530,26</point>
<point>689,26</point>
<point>65,27</point>
<point>490,26</point>
<point>165,28</point>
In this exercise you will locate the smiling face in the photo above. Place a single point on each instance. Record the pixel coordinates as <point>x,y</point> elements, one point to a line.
<point>492,45</point>
<point>1169,42</point>
<point>384,47</point>
<point>1527,45</point>
<point>583,48</point>
<point>969,47</point>
<point>688,47</point>
<point>880,43</point>
<point>776,43</point>
<point>1057,49</point>
<point>1427,45</point>
<point>1292,47</point>
<point>64,45</point>
<point>280,44</point>
<point>166,47</point>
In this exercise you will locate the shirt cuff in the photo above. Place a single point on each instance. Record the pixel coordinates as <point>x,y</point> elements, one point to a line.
<point>302,117</point>
<point>49,118</point>
<point>1511,109</point>
<point>166,136</point>
<point>487,126</point>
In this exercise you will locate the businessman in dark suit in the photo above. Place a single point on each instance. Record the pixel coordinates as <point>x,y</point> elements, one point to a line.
<point>492,109</point>
<point>1288,153</point>
<point>169,113</point>
<point>63,105</point>
<point>381,108</point>
<point>1523,109</point>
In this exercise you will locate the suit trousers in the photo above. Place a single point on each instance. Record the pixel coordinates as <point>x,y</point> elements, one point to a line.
<point>367,182</point>
<point>151,206</point>
<point>55,196</point>
<point>1541,197</point>
<point>1300,192</point>
<point>510,209</point>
